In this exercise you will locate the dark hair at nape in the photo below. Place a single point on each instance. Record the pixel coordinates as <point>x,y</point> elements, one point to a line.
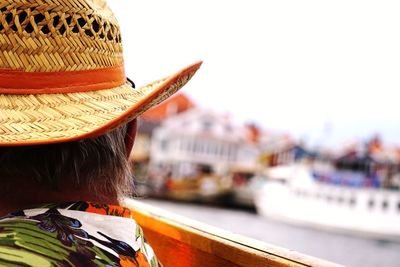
<point>100,163</point>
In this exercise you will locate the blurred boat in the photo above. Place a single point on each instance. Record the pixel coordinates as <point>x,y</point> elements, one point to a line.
<point>181,242</point>
<point>203,188</point>
<point>326,197</point>
<point>246,182</point>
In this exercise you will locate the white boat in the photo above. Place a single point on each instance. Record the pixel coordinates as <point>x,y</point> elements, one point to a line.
<point>294,195</point>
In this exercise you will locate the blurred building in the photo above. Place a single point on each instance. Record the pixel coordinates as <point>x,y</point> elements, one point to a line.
<point>151,119</point>
<point>201,139</point>
<point>279,149</point>
<point>373,158</point>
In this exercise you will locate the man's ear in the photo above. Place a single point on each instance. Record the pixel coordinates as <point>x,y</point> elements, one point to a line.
<point>130,136</point>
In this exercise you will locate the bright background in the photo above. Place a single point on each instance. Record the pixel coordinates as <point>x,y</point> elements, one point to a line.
<point>323,71</point>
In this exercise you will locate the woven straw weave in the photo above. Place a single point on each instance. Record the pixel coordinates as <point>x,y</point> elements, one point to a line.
<point>62,36</point>
<point>58,35</point>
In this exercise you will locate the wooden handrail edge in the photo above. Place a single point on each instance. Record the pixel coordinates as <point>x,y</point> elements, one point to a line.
<point>246,243</point>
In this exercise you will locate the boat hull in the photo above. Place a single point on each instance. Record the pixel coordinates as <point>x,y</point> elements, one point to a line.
<point>367,212</point>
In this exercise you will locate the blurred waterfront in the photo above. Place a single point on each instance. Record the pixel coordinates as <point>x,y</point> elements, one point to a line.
<point>349,250</point>
<point>192,155</point>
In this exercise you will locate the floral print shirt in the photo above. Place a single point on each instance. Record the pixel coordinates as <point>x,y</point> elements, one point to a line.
<point>73,234</point>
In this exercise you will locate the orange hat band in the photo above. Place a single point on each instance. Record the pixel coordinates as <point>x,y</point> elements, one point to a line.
<point>20,82</point>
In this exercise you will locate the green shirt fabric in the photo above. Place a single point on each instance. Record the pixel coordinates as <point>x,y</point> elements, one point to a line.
<point>73,234</point>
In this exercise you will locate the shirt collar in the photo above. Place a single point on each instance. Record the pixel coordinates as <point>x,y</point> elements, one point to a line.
<point>86,206</point>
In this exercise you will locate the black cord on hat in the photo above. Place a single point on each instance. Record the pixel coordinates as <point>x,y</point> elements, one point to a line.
<point>131,82</point>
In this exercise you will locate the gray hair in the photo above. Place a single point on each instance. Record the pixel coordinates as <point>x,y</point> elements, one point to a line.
<point>100,163</point>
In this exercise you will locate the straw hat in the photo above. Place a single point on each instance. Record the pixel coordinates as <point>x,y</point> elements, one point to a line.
<point>62,76</point>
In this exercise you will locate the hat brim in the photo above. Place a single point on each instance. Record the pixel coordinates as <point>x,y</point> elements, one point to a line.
<point>55,118</point>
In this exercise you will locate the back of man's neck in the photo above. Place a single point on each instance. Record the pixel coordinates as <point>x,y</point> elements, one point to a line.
<point>31,194</point>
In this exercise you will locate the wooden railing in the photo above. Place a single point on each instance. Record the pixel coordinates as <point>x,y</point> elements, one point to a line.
<point>179,241</point>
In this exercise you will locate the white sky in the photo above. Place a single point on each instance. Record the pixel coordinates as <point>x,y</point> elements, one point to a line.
<point>296,66</point>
